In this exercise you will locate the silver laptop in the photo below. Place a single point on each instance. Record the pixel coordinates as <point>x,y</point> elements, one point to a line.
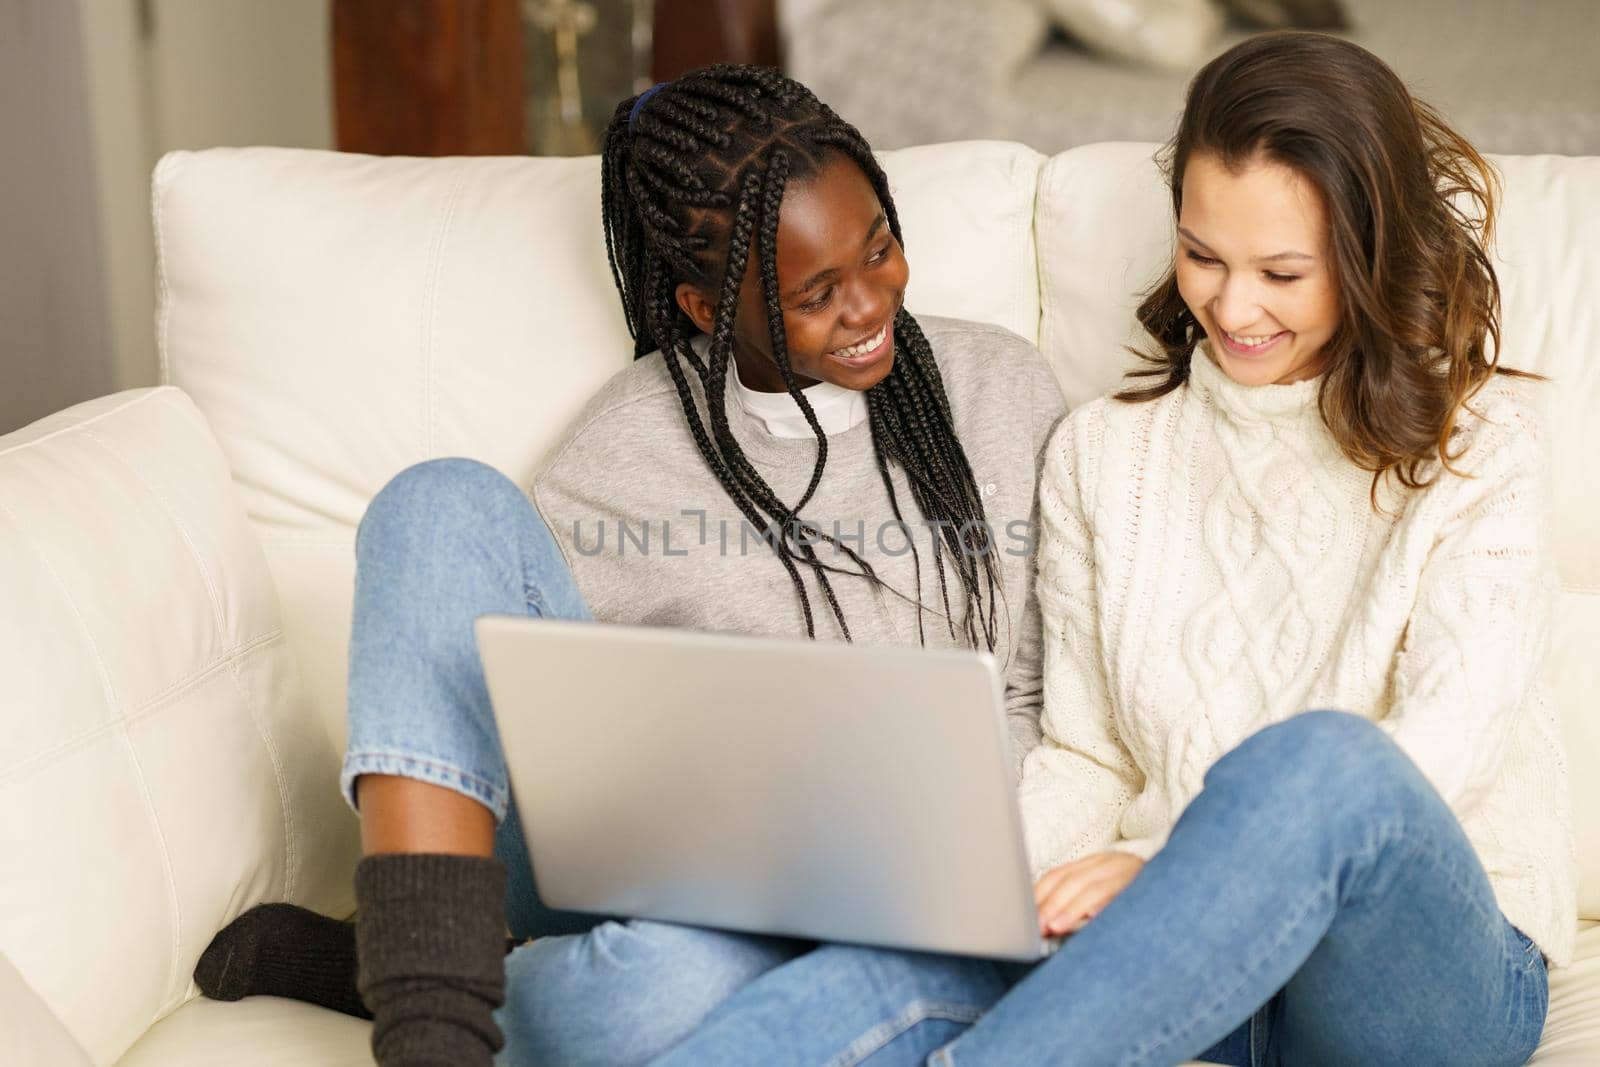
<point>818,790</point>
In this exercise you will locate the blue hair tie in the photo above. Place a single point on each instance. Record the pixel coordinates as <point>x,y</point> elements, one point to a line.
<point>639,103</point>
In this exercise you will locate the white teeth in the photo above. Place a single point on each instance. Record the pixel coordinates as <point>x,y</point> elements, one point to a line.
<point>1249,342</point>
<point>868,345</point>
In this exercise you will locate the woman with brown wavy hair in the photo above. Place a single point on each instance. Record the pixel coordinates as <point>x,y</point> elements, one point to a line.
<point>1326,494</point>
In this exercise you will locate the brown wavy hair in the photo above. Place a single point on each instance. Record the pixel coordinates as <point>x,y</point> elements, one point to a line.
<point>1411,209</point>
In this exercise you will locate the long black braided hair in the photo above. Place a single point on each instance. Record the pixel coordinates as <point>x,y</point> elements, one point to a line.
<point>693,173</point>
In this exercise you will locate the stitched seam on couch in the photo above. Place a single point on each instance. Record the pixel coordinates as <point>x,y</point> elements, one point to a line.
<point>154,703</point>
<point>219,623</point>
<point>1042,234</point>
<point>120,725</point>
<point>166,171</point>
<point>430,311</point>
<point>119,409</point>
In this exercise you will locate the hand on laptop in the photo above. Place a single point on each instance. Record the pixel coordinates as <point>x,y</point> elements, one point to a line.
<point>1072,894</point>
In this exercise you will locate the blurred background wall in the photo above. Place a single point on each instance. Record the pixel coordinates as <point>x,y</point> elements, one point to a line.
<point>92,92</point>
<point>52,296</point>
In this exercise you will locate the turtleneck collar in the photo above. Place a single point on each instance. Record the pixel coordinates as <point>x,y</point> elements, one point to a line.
<point>1283,405</point>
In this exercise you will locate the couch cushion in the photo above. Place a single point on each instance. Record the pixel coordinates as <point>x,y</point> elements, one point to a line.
<point>1104,229</point>
<point>29,1033</point>
<point>160,772</point>
<point>340,317</point>
<point>254,1032</point>
<point>1105,234</point>
<point>1572,1029</point>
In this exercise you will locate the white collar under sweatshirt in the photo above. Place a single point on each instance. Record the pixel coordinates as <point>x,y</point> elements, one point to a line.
<point>838,409</point>
<point>1211,563</point>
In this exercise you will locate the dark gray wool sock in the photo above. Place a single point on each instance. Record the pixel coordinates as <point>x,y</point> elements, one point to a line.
<point>430,946</point>
<point>283,950</point>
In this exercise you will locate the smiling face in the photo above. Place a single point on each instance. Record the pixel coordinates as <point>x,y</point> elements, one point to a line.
<point>1255,269</point>
<point>841,280</point>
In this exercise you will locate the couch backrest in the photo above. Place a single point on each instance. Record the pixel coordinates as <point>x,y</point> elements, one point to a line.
<point>160,769</point>
<point>340,317</point>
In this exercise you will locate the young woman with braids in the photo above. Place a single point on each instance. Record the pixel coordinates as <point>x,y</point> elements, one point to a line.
<point>1329,496</point>
<point>802,456</point>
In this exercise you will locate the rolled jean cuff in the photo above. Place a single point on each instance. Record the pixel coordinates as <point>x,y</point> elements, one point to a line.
<point>434,772</point>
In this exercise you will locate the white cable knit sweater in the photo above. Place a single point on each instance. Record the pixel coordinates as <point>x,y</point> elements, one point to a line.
<point>1211,564</point>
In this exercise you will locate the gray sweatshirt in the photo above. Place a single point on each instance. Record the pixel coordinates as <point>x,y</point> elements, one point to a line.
<point>653,539</point>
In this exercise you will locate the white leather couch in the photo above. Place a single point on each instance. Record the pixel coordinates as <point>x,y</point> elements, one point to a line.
<point>175,562</point>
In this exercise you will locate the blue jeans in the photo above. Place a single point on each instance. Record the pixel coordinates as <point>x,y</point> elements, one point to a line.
<point>1317,903</point>
<point>443,543</point>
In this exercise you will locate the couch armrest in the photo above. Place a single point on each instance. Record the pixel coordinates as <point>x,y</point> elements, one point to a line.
<point>29,1031</point>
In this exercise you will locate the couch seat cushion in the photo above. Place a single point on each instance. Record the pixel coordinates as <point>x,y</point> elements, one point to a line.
<point>253,1032</point>
<point>1572,1030</point>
